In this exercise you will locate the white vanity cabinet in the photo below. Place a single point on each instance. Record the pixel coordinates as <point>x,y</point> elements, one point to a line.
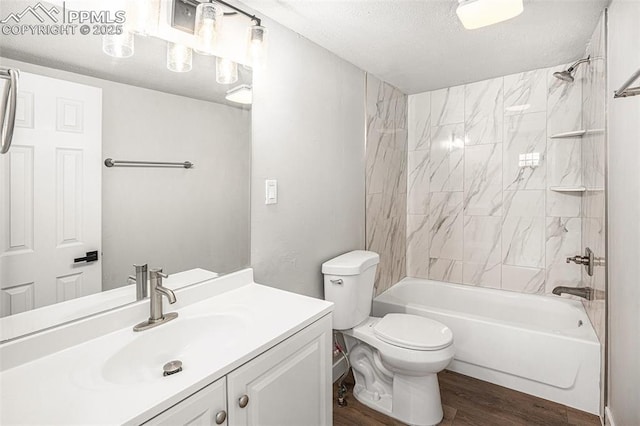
<point>236,339</point>
<point>289,384</point>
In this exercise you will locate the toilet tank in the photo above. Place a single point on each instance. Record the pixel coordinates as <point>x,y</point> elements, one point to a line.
<point>348,283</point>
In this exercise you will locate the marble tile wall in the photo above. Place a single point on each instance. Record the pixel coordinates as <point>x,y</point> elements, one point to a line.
<point>474,216</point>
<point>593,170</point>
<point>386,180</point>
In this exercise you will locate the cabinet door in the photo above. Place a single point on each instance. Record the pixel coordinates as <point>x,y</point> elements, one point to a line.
<point>289,384</point>
<point>205,407</point>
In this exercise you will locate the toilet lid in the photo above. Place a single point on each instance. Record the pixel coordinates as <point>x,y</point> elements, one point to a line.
<point>413,332</point>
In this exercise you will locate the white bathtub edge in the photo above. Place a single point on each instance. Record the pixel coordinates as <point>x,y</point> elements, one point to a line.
<point>561,396</point>
<point>579,384</point>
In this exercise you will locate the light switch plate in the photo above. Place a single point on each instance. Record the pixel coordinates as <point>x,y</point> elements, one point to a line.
<point>271,191</point>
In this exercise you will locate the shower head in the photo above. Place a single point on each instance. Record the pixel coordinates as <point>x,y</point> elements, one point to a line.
<point>567,75</point>
<point>564,76</point>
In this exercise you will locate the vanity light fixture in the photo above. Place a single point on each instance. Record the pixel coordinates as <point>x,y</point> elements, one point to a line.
<point>208,17</point>
<point>118,46</point>
<point>481,13</point>
<point>142,16</point>
<point>242,94</point>
<point>200,18</point>
<point>179,57</point>
<point>226,71</point>
<point>257,46</point>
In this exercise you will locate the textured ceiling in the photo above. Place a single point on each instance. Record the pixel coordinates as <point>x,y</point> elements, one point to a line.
<point>421,45</point>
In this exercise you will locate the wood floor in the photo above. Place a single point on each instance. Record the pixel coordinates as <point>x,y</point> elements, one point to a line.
<point>471,402</point>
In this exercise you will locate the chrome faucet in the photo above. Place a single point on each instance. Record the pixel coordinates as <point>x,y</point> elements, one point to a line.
<point>141,281</point>
<point>584,292</point>
<point>156,291</point>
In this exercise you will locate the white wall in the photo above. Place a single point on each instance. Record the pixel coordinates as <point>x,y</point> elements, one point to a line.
<point>308,133</point>
<point>623,209</point>
<point>172,218</point>
<point>177,219</point>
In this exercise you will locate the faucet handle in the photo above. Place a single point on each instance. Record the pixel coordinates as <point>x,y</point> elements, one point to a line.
<point>158,272</point>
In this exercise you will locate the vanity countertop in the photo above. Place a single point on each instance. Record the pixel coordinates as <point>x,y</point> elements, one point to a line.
<point>24,323</point>
<point>99,381</point>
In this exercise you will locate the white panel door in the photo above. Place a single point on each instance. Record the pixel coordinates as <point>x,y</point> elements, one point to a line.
<point>289,385</point>
<point>207,407</point>
<point>50,195</point>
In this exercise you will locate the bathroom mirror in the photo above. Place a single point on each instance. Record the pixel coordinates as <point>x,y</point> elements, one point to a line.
<point>59,202</point>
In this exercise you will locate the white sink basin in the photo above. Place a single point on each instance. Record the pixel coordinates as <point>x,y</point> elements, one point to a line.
<point>190,339</point>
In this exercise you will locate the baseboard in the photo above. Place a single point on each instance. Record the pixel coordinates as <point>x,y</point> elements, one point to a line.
<point>608,417</point>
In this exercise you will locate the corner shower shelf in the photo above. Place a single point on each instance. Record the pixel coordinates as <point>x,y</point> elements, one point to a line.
<point>568,188</point>
<point>573,134</point>
<point>595,131</point>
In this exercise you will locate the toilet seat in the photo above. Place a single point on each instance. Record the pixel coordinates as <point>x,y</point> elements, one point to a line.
<point>413,332</point>
<point>402,360</point>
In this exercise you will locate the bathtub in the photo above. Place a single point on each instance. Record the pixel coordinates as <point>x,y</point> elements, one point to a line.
<point>541,345</point>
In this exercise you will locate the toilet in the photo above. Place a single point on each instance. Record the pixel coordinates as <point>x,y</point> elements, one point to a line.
<point>396,358</point>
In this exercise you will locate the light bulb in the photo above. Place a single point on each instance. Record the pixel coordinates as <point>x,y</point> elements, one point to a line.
<point>179,57</point>
<point>257,46</point>
<point>118,46</point>
<point>142,16</point>
<point>226,71</point>
<point>208,18</point>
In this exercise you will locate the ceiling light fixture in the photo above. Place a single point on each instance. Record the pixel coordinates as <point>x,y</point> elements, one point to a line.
<point>481,13</point>
<point>242,94</point>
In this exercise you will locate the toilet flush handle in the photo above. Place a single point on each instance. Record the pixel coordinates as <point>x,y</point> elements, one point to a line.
<point>338,281</point>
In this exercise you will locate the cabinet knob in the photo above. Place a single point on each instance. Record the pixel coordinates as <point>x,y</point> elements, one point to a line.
<point>221,416</point>
<point>243,401</point>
